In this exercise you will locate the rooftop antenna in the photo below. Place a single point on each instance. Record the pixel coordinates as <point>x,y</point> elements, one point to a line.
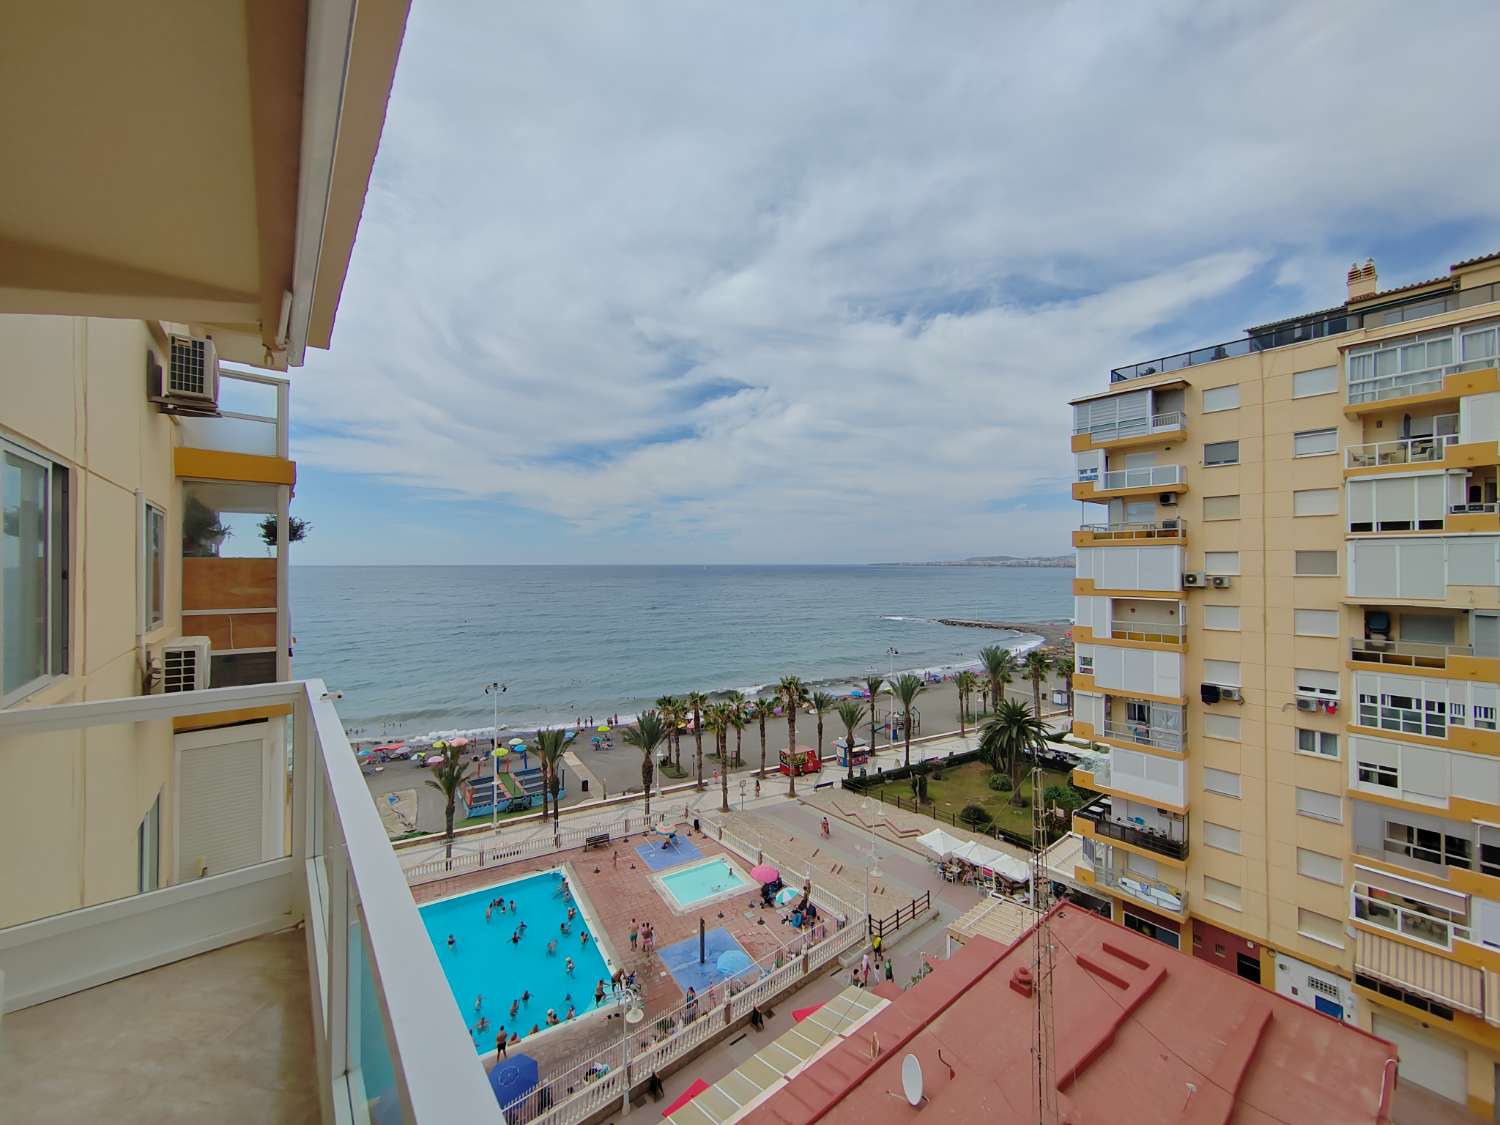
<point>1044,1068</point>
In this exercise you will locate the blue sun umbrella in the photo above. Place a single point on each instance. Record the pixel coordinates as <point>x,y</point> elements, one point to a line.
<point>513,1078</point>
<point>732,962</point>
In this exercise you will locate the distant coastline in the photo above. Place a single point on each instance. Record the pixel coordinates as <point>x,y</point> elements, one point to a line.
<point>1059,561</point>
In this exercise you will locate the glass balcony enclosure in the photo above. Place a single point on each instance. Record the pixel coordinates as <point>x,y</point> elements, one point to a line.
<point>252,417</point>
<point>1414,365</point>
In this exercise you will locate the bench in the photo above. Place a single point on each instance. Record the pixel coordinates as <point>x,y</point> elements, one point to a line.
<point>600,840</point>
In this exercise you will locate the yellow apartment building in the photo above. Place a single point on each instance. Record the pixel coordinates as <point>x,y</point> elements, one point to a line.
<point>1286,608</point>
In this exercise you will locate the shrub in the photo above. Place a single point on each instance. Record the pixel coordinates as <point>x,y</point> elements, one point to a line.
<point>999,782</point>
<point>1064,796</point>
<point>975,815</point>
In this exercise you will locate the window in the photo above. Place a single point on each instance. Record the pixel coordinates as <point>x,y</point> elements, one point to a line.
<point>1225,673</point>
<point>1221,453</point>
<point>1315,502</point>
<point>1323,743</point>
<point>154,575</point>
<point>1424,913</point>
<point>148,848</point>
<point>1224,617</point>
<point>1221,781</point>
<point>1395,503</point>
<point>1315,622</point>
<point>1221,507</point>
<point>1318,381</point>
<point>1315,443</point>
<point>1221,562</point>
<point>1226,727</point>
<point>1225,894</point>
<point>33,582</point>
<point>1376,764</point>
<point>1316,682</point>
<point>1319,805</point>
<point>1316,564</point>
<point>1320,927</point>
<point>1428,845</point>
<point>1319,866</point>
<point>1221,836</point>
<point>1221,398</point>
<point>1085,663</point>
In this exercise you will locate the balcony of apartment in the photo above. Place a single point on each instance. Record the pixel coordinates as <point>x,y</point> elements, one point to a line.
<point>1421,979</point>
<point>1105,866</point>
<point>241,435</point>
<point>1426,441</point>
<point>1118,483</point>
<point>1128,433</point>
<point>1459,643</point>
<point>1424,369</point>
<point>1129,622</point>
<point>1130,723</point>
<point>1167,839</point>
<point>227,934</point>
<point>1149,533</point>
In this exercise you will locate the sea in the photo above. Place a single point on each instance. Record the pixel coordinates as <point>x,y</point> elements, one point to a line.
<point>412,647</point>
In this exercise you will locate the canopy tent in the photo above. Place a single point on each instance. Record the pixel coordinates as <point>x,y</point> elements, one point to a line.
<point>1017,871</point>
<point>940,843</point>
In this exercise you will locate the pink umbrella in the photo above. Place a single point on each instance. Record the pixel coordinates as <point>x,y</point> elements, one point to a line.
<point>435,760</point>
<point>764,873</point>
<point>459,742</point>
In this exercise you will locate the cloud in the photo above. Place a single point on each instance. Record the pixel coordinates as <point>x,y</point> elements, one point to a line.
<point>779,277</point>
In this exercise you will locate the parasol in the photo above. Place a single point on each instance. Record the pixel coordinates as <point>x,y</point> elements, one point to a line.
<point>764,873</point>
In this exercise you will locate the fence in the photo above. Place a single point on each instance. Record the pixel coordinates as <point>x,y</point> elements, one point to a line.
<point>901,915</point>
<point>496,853</point>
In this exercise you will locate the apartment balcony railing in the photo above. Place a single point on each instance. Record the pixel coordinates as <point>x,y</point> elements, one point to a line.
<point>252,417</point>
<point>1315,328</point>
<point>1156,632</point>
<point>1134,427</point>
<point>1155,476</point>
<point>1143,734</point>
<point>1129,532</point>
<point>1152,892</point>
<point>388,1041</point>
<point>1418,365</point>
<point>1485,507</point>
<point>1405,654</point>
<point>1402,451</point>
<point>1097,813</point>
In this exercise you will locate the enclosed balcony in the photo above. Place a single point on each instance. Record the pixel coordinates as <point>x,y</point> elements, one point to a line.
<point>1419,368</point>
<point>1140,826</point>
<point>1439,639</point>
<point>1122,872</point>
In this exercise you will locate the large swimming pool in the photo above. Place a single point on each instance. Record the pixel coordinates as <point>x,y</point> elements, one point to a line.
<point>484,961</point>
<point>704,882</point>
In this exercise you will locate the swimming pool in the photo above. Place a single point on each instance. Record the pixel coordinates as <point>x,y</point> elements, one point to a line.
<point>704,882</point>
<point>484,961</point>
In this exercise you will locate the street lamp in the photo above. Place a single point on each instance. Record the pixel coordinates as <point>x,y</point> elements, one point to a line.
<point>493,690</point>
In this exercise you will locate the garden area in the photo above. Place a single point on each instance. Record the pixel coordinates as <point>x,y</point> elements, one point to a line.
<point>953,789</point>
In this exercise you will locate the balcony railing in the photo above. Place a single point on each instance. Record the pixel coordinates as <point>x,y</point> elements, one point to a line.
<point>1155,632</point>
<point>1486,507</point>
<point>1143,734</point>
<point>389,1043</point>
<point>252,417</point>
<point>1098,814</point>
<point>1402,451</point>
<point>1423,360</point>
<point>1134,427</point>
<point>1155,476</point>
<point>1163,529</point>
<point>1405,654</point>
<point>1152,892</point>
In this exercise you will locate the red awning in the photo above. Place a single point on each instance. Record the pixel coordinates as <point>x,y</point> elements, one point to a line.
<point>802,1013</point>
<point>688,1095</point>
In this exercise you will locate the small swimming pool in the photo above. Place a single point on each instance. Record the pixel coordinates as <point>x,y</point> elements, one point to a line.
<point>704,882</point>
<point>484,961</point>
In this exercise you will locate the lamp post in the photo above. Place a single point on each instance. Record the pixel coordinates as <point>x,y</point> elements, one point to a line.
<point>872,869</point>
<point>493,690</point>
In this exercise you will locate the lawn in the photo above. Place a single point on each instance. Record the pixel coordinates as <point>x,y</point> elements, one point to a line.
<point>968,784</point>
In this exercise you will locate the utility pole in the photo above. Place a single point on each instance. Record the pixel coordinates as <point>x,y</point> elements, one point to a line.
<point>493,690</point>
<point>1044,1067</point>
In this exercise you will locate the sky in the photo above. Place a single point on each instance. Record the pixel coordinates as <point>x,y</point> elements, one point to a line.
<point>813,283</point>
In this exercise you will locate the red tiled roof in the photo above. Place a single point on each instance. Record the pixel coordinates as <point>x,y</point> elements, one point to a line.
<point>1142,1034</point>
<point>1398,289</point>
<point>1475,261</point>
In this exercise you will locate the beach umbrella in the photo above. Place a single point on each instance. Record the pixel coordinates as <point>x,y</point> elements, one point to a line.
<point>459,743</point>
<point>435,760</point>
<point>363,753</point>
<point>499,752</point>
<point>786,895</point>
<point>764,873</point>
<point>440,745</point>
<point>733,962</point>
<point>513,1078</point>
<point>602,728</point>
<point>516,742</point>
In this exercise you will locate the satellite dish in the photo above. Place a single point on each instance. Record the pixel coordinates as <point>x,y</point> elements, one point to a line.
<point>911,1080</point>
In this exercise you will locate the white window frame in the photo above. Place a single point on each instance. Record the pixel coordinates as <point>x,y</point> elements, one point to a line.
<point>1221,464</point>
<point>1239,788</point>
<point>1333,382</point>
<point>1319,938</point>
<point>1319,816</point>
<point>1334,573</point>
<point>57,591</point>
<point>1319,738</point>
<point>1208,609</point>
<point>1228,562</point>
<point>1224,898</point>
<point>1337,880</point>
<point>1322,492</point>
<point>1235,496</point>
<point>1301,627</point>
<point>1327,431</point>
<point>1215,394</point>
<point>1209,830</point>
<point>153,602</point>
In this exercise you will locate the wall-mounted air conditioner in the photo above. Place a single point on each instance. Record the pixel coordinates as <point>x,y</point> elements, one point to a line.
<point>1167,499</point>
<point>181,665</point>
<point>1308,703</point>
<point>1219,581</point>
<point>1231,694</point>
<point>190,383</point>
<point>1195,578</point>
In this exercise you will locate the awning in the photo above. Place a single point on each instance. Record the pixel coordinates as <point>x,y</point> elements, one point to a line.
<point>1017,871</point>
<point>939,843</point>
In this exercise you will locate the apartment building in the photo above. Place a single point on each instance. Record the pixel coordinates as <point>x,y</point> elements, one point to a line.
<point>1286,608</point>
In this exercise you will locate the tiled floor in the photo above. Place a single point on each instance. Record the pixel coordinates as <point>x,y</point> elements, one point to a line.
<point>225,1036</point>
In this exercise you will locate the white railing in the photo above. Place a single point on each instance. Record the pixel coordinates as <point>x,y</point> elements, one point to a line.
<point>1432,356</point>
<point>1482,507</point>
<point>252,417</point>
<point>1163,529</point>
<point>1153,476</point>
<point>1401,451</point>
<point>370,962</point>
<point>1153,892</point>
<point>1143,734</point>
<point>1133,427</point>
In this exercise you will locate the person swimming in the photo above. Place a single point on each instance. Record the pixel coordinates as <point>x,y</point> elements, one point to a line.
<point>583,938</point>
<point>599,992</point>
<point>564,928</point>
<point>552,948</point>
<point>552,1019</point>
<point>515,1006</point>
<point>515,937</point>
<point>569,966</point>
<point>526,997</point>
<point>452,941</point>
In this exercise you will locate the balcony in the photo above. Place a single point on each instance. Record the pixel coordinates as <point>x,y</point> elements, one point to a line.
<point>1097,813</point>
<point>1408,367</point>
<point>1143,734</point>
<point>1143,888</point>
<point>1403,451</point>
<point>1118,534</point>
<point>246,440</point>
<point>1405,654</point>
<point>1170,423</point>
<point>1153,632</point>
<point>223,856</point>
<point>1122,482</point>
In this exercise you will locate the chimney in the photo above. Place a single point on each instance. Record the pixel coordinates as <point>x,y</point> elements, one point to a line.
<point>1362,279</point>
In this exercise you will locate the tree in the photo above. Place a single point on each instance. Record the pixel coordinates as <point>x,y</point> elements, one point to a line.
<point>446,778</point>
<point>793,694</point>
<point>550,745</point>
<point>874,685</point>
<point>1010,735</point>
<point>646,735</point>
<point>716,719</point>
<point>906,689</point>
<point>822,703</point>
<point>735,701</point>
<point>763,709</point>
<point>1065,670</point>
<point>999,669</point>
<point>966,683</point>
<point>696,701</point>
<point>851,714</point>
<point>296,530</point>
<point>1038,664</point>
<point>672,713</point>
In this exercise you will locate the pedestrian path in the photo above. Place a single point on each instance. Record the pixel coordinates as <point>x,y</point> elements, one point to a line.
<point>898,825</point>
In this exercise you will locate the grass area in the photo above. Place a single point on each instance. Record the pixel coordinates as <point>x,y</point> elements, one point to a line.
<point>511,786</point>
<point>968,784</point>
<point>470,822</point>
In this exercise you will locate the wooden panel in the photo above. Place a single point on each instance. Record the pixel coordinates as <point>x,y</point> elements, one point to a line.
<point>233,630</point>
<point>228,584</point>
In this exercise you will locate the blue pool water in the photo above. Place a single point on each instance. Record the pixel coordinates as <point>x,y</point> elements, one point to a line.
<point>704,881</point>
<point>485,961</point>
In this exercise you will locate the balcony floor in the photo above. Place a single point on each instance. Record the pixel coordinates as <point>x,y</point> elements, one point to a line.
<point>224,1036</point>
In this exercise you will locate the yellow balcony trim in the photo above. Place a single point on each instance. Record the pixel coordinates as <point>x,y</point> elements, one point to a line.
<point>1085,827</point>
<point>215,464</point>
<point>1084,587</point>
<point>1482,382</point>
<point>1163,539</point>
<point>1082,729</point>
<point>1088,491</point>
<point>1141,747</point>
<point>1082,443</point>
<point>1472,521</point>
<point>226,718</point>
<point>1085,875</point>
<point>1464,953</point>
<point>1478,669</point>
<point>1084,635</point>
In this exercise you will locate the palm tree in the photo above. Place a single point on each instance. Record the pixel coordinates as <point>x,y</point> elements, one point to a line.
<point>716,719</point>
<point>906,689</point>
<point>1000,668</point>
<point>696,701</point>
<point>763,709</point>
<point>1038,664</point>
<point>1013,733</point>
<point>672,712</point>
<point>822,703</point>
<point>851,713</point>
<point>793,694</point>
<point>550,745</point>
<point>1065,670</point>
<point>646,735</point>
<point>451,773</point>
<point>966,682</point>
<point>738,721</point>
<point>874,685</point>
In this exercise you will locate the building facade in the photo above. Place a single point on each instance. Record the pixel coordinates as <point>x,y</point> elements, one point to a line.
<point>1286,608</point>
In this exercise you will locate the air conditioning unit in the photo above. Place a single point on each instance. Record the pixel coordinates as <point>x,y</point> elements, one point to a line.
<point>190,382</point>
<point>1219,581</point>
<point>1167,499</point>
<point>1307,703</point>
<point>182,665</point>
<point>1195,578</point>
<point>1232,694</point>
